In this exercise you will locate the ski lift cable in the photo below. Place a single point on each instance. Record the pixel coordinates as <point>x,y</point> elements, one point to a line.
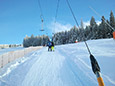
<point>77,25</point>
<point>72,13</point>
<point>41,16</point>
<point>102,18</point>
<point>56,15</point>
<point>57,10</point>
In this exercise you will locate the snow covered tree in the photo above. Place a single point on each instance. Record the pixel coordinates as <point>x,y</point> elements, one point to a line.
<point>93,28</point>
<point>102,29</point>
<point>25,41</point>
<point>35,41</point>
<point>112,19</point>
<point>82,26</point>
<point>87,32</point>
<point>81,31</point>
<point>92,22</point>
<point>93,31</point>
<point>112,23</point>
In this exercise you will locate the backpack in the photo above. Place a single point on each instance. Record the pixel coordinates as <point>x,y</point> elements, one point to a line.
<point>49,44</point>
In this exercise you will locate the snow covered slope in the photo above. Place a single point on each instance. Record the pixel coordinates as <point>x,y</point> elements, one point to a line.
<point>69,65</point>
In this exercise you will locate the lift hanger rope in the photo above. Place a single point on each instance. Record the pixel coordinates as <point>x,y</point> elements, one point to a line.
<point>94,63</point>
<point>77,25</point>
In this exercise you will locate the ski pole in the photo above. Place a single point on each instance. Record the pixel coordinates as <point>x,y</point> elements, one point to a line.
<point>96,70</point>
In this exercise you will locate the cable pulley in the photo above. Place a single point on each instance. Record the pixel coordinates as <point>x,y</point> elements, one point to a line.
<point>41,16</point>
<point>42,24</point>
<point>42,20</point>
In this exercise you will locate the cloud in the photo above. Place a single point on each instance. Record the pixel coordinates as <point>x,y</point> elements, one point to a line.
<point>87,23</point>
<point>59,27</point>
<point>98,22</point>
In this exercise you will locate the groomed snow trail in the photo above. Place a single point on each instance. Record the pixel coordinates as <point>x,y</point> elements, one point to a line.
<point>55,69</point>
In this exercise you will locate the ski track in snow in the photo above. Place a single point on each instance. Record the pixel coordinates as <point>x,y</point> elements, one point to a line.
<point>69,65</point>
<point>45,71</point>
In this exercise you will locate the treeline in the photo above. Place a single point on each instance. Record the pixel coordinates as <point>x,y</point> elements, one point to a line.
<point>35,41</point>
<point>93,31</point>
<point>2,46</point>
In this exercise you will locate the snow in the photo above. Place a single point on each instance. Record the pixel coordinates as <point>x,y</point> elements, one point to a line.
<point>69,65</point>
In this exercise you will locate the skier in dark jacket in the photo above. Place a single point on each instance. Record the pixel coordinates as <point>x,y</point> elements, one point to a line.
<point>49,45</point>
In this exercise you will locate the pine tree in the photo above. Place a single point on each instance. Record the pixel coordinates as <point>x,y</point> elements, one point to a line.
<point>81,29</point>
<point>82,26</point>
<point>25,41</point>
<point>112,19</point>
<point>92,22</point>
<point>102,33</point>
<point>93,28</point>
<point>32,40</point>
<point>87,32</point>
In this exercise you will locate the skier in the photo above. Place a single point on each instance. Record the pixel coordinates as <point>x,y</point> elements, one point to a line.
<point>52,47</point>
<point>49,45</point>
